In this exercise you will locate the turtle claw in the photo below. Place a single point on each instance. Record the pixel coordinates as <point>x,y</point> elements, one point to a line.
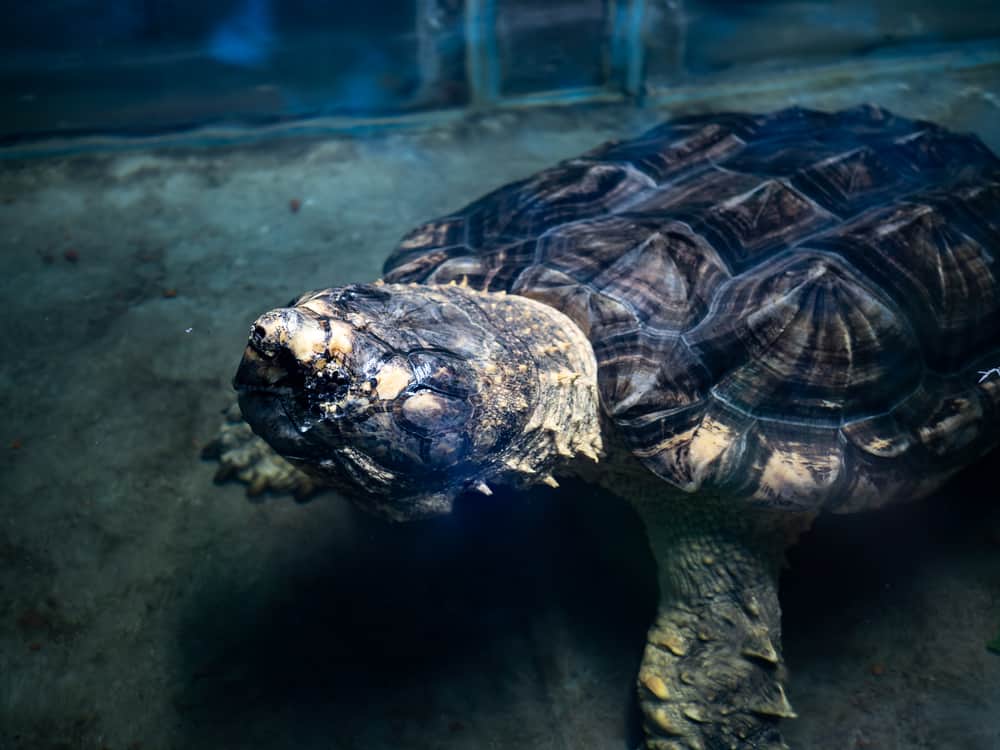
<point>246,458</point>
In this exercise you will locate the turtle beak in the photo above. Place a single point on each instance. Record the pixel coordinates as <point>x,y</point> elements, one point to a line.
<point>266,413</point>
<point>280,342</point>
<point>256,373</point>
<point>271,373</point>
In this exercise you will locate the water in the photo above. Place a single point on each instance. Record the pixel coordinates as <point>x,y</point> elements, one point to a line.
<point>144,606</point>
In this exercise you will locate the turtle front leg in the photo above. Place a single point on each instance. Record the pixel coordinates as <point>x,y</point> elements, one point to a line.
<point>712,673</point>
<point>246,458</point>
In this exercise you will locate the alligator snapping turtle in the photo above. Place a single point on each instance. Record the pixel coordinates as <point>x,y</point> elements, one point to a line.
<point>733,321</point>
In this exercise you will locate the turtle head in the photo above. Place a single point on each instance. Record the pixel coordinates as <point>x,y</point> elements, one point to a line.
<point>401,397</point>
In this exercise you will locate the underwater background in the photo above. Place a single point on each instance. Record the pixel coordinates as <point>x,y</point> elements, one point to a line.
<point>169,170</point>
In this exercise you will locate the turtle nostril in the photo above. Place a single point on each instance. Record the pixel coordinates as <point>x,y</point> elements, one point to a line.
<point>258,341</point>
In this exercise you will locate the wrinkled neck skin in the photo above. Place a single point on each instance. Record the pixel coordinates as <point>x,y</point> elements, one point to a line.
<point>405,396</point>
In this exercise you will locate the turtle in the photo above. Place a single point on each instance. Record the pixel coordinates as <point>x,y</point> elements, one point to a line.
<point>734,322</point>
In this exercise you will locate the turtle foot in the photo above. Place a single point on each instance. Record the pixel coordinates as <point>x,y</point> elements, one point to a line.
<point>245,458</point>
<point>712,674</point>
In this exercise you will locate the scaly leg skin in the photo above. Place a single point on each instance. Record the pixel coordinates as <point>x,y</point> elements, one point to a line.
<point>712,673</point>
<point>246,458</point>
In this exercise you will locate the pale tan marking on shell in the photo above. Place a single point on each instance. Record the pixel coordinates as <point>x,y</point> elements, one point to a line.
<point>419,238</point>
<point>881,445</point>
<point>710,441</point>
<point>954,431</point>
<point>669,444</point>
<point>390,380</point>
<point>790,472</point>
<point>422,407</point>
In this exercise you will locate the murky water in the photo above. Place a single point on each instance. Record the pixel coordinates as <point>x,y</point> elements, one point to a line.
<point>143,606</point>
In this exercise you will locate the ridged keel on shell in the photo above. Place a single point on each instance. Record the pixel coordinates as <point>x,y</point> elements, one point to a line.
<point>794,349</point>
<point>792,308</point>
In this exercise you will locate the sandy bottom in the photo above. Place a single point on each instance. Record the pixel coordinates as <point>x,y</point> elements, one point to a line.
<point>141,606</point>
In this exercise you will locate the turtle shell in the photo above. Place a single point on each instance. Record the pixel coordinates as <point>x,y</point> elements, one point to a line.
<point>798,308</point>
